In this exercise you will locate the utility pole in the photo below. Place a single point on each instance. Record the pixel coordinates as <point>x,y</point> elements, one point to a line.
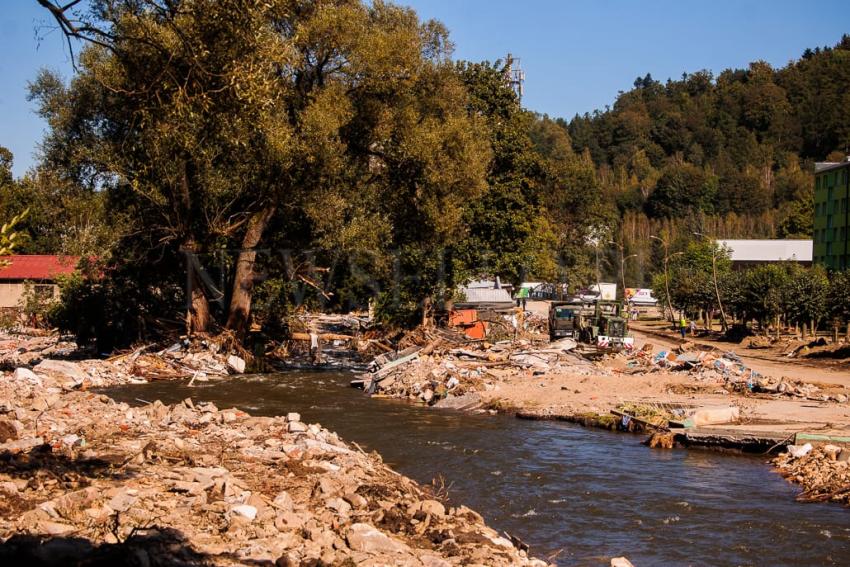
<point>666,273</point>
<point>713,242</point>
<point>623,259</point>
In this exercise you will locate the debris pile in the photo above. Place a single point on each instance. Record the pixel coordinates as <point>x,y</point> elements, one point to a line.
<point>48,361</point>
<point>727,371</point>
<point>444,370</point>
<point>84,477</point>
<point>23,350</point>
<point>823,472</point>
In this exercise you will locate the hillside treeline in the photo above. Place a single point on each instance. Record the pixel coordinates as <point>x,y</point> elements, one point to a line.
<point>730,155</point>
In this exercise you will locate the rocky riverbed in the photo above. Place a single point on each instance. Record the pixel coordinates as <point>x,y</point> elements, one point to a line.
<point>86,478</point>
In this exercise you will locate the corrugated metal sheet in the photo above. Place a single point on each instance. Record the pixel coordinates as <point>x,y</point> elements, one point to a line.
<point>36,267</point>
<point>769,250</point>
<point>481,295</point>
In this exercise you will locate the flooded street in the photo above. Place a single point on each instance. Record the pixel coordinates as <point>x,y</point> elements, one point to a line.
<point>578,495</point>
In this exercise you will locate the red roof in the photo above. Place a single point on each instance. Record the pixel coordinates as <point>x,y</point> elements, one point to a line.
<point>36,267</point>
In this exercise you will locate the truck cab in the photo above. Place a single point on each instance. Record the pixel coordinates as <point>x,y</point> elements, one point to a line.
<point>566,319</point>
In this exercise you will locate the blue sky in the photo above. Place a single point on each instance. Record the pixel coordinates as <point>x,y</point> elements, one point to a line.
<point>576,55</point>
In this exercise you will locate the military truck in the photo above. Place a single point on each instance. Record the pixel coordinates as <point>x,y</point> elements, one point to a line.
<point>567,318</point>
<point>609,329</point>
<point>601,324</point>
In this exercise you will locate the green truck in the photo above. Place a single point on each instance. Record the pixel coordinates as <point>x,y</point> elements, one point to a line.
<point>598,323</point>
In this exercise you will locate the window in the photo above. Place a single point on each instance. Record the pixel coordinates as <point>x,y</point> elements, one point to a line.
<point>817,183</point>
<point>43,292</point>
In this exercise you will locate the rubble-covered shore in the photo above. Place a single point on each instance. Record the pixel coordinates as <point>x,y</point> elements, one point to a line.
<point>823,472</point>
<point>85,478</point>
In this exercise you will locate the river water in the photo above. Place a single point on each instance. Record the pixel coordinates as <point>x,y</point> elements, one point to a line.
<point>580,495</point>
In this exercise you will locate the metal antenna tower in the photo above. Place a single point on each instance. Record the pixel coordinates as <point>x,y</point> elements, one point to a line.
<point>515,76</point>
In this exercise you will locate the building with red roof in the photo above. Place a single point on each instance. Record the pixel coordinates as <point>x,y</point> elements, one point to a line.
<point>39,271</point>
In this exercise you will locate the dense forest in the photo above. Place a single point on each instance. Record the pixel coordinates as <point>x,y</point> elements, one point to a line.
<point>221,166</point>
<point>731,156</point>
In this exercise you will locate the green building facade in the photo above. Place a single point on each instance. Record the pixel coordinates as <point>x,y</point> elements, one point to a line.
<point>831,238</point>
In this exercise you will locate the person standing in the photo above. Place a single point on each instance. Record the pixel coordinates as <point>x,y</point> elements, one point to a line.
<point>683,325</point>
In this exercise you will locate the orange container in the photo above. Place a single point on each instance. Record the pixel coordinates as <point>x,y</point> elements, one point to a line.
<point>463,317</point>
<point>477,330</point>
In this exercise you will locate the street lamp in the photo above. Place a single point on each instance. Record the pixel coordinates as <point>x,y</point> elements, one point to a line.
<point>713,242</point>
<point>667,257</point>
<point>623,259</point>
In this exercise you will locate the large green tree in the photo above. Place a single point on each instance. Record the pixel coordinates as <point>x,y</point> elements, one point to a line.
<point>210,121</point>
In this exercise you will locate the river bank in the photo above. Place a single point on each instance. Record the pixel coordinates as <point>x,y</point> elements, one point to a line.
<point>85,478</point>
<point>714,396</point>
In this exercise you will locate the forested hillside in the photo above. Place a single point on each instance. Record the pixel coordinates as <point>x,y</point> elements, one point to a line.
<point>731,155</point>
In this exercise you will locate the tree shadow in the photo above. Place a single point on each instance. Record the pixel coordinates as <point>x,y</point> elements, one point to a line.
<point>152,547</point>
<point>42,461</point>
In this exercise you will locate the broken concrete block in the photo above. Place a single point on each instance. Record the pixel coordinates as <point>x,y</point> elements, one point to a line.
<point>62,369</point>
<point>715,415</point>
<point>25,374</point>
<point>236,364</point>
<point>363,537</point>
<point>245,510</point>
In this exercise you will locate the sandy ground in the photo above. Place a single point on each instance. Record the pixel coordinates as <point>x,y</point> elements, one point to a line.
<point>600,391</point>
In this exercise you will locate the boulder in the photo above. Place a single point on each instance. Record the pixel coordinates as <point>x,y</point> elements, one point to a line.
<point>27,375</point>
<point>10,430</point>
<point>244,510</point>
<point>62,369</point>
<point>621,562</point>
<point>366,538</point>
<point>433,508</point>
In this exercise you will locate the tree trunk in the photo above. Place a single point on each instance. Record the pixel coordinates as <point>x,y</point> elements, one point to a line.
<point>243,281</point>
<point>198,309</point>
<point>427,312</point>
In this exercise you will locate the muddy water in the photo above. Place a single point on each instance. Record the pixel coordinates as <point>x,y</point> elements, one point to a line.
<point>583,494</point>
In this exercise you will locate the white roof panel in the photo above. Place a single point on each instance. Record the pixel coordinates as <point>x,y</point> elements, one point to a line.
<point>769,250</point>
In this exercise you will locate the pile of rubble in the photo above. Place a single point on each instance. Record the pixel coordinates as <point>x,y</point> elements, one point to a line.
<point>98,482</point>
<point>725,370</point>
<point>450,374</point>
<point>52,362</point>
<point>823,472</point>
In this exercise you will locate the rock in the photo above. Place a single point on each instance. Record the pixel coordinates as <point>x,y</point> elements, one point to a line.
<point>245,510</point>
<point>21,445</point>
<point>236,364</point>
<point>296,427</point>
<point>283,501</point>
<point>122,501</point>
<point>339,506</point>
<point>61,369</point>
<point>797,451</point>
<point>356,500</point>
<point>293,416</point>
<point>55,528</point>
<point>433,508</point>
<point>621,562</point>
<point>10,430</point>
<point>841,398</point>
<point>27,375</point>
<point>363,537</point>
<point>427,395</point>
<point>832,451</point>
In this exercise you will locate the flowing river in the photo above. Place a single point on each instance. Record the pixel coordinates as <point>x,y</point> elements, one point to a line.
<point>577,495</point>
